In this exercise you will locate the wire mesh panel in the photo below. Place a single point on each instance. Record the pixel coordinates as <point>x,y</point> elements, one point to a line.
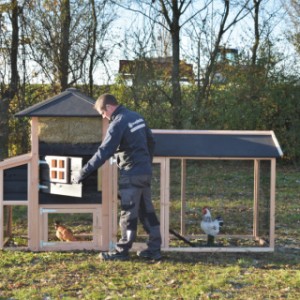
<point>227,189</point>
<point>70,227</point>
<point>264,202</point>
<point>15,220</point>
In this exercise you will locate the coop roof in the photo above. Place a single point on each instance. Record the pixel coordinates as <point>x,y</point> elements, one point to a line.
<point>70,103</point>
<point>216,144</point>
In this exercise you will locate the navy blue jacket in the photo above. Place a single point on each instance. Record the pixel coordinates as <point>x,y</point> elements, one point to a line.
<point>130,140</point>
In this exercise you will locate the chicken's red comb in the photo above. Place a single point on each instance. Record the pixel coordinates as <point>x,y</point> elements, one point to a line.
<point>204,209</point>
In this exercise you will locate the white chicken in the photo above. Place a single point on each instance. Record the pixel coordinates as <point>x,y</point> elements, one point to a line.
<point>209,226</point>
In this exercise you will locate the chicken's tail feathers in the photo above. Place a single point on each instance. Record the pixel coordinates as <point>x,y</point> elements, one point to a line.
<point>221,222</point>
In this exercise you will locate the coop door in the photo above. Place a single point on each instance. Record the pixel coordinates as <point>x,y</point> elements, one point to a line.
<point>57,173</point>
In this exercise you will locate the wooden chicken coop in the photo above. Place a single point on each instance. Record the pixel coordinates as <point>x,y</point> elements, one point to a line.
<point>65,133</point>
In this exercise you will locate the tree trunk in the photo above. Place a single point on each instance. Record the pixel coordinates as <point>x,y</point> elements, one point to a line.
<point>176,89</point>
<point>256,32</point>
<point>12,90</point>
<point>174,28</point>
<point>93,53</point>
<point>210,68</point>
<point>65,44</point>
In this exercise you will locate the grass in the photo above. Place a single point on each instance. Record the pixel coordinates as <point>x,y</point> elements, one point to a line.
<point>81,275</point>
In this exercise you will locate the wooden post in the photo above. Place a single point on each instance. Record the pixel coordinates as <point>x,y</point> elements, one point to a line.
<point>9,221</point>
<point>183,195</point>
<point>33,189</point>
<point>256,197</point>
<point>105,197</point>
<point>114,203</point>
<point>1,209</point>
<point>109,187</point>
<point>165,201</point>
<point>272,202</point>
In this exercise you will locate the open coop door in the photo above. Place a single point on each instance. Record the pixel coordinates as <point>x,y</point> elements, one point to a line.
<point>56,173</point>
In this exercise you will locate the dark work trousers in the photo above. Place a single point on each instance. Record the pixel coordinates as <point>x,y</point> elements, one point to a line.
<point>136,203</point>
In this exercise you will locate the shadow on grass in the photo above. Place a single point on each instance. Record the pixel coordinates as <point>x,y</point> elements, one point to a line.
<point>281,257</point>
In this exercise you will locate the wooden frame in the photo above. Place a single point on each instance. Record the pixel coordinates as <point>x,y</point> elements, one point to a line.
<point>105,214</point>
<point>95,244</point>
<point>16,161</point>
<point>165,207</point>
<point>33,189</point>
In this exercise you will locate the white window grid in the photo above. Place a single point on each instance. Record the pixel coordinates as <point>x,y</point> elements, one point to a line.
<point>58,169</point>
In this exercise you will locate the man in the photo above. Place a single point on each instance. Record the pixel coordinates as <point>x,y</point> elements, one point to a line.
<point>131,141</point>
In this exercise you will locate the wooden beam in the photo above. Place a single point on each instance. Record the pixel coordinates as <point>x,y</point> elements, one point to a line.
<point>237,132</point>
<point>183,196</point>
<point>256,198</point>
<point>106,197</point>
<point>15,161</point>
<point>114,206</point>
<point>15,202</point>
<point>165,201</point>
<point>272,202</point>
<point>33,189</point>
<point>1,209</point>
<point>220,249</point>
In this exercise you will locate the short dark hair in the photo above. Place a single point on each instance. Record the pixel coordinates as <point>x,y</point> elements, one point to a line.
<point>104,100</point>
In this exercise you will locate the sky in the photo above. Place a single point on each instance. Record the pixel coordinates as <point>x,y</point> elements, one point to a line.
<point>239,37</point>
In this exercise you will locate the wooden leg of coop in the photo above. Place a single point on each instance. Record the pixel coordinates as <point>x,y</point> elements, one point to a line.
<point>256,198</point>
<point>9,214</point>
<point>1,210</point>
<point>183,195</point>
<point>272,203</point>
<point>164,200</point>
<point>33,190</point>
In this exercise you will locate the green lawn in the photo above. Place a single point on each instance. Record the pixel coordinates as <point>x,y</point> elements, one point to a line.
<point>81,275</point>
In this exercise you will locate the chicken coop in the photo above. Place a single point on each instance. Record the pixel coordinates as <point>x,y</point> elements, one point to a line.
<point>65,132</point>
<point>231,172</point>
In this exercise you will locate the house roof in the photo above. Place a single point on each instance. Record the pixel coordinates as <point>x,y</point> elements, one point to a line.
<point>216,144</point>
<point>70,103</point>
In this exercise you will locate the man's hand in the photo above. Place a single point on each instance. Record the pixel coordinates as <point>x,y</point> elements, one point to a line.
<point>76,178</point>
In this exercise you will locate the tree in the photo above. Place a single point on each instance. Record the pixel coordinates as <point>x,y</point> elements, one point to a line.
<point>293,10</point>
<point>173,16</point>
<point>12,9</point>
<point>67,39</point>
<point>224,25</point>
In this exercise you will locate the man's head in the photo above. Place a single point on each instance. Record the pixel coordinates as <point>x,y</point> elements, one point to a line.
<point>106,104</point>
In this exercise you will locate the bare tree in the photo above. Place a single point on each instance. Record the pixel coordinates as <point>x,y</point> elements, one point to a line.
<point>10,91</point>
<point>292,8</point>
<point>225,24</point>
<point>173,16</point>
<point>66,39</point>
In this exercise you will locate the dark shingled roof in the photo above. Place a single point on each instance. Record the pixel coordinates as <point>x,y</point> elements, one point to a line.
<point>70,103</point>
<point>216,144</point>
